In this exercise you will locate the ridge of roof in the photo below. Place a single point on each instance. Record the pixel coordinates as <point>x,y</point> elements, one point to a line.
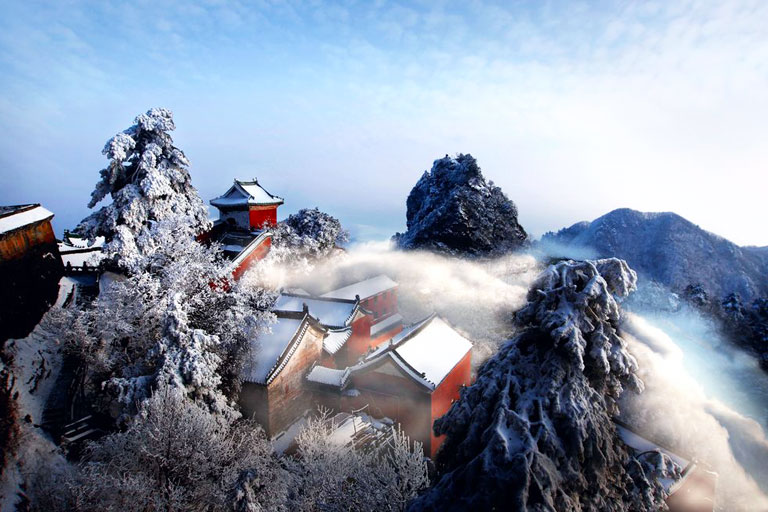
<point>249,197</point>
<point>12,209</point>
<point>382,283</point>
<point>248,249</point>
<point>23,215</point>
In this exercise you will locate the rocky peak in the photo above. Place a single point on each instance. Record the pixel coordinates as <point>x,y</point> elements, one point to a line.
<point>453,209</point>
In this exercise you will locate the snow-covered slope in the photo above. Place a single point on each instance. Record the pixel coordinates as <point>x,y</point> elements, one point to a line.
<point>534,432</point>
<point>452,209</point>
<point>671,250</point>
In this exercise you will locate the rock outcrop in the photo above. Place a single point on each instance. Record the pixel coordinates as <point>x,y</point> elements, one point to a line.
<point>452,209</point>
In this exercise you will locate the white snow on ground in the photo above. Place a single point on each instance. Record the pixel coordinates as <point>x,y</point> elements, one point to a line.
<point>285,439</point>
<point>66,289</point>
<point>37,355</point>
<point>17,220</point>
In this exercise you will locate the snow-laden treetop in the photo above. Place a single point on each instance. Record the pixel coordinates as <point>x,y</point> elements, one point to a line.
<point>148,181</point>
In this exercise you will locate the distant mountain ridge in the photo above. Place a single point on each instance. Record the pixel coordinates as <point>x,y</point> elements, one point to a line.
<point>671,250</point>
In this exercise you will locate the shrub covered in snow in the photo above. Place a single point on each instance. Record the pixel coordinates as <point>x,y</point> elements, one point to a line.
<point>534,432</point>
<point>148,181</point>
<point>178,456</point>
<point>330,476</point>
<point>747,323</point>
<point>308,234</point>
<point>453,209</point>
<point>305,237</point>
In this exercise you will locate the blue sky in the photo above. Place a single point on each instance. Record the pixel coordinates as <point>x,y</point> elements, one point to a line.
<point>574,109</point>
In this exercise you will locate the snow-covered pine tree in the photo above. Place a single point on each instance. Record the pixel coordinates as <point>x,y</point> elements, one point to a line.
<point>534,432</point>
<point>148,181</point>
<point>310,232</point>
<point>165,324</point>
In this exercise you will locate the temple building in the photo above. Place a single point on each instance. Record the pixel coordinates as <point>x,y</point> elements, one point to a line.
<point>30,268</point>
<point>347,322</point>
<point>334,351</point>
<point>413,379</point>
<point>273,391</point>
<point>23,227</point>
<point>246,212</point>
<point>379,296</point>
<point>248,206</point>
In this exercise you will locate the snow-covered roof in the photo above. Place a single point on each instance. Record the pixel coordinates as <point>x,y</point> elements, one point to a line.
<point>364,289</point>
<point>15,217</point>
<point>297,291</point>
<point>328,376</point>
<point>641,444</point>
<point>406,332</point>
<point>386,324</point>
<point>427,351</point>
<point>246,193</point>
<point>79,257</point>
<point>73,242</point>
<point>330,312</point>
<point>434,350</point>
<point>336,339</point>
<point>248,249</point>
<point>270,349</point>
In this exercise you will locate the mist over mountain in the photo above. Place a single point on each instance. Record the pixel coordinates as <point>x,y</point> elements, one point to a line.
<point>452,209</point>
<point>671,250</point>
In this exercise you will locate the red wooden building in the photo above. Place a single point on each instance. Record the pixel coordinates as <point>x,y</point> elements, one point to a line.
<point>352,357</point>
<point>246,212</point>
<point>30,268</point>
<point>247,205</point>
<point>23,227</point>
<point>378,295</point>
<point>273,392</point>
<point>413,379</point>
<point>348,324</point>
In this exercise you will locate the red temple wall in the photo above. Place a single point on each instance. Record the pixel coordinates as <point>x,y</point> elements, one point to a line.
<point>448,391</point>
<point>397,398</point>
<point>383,304</point>
<point>257,254</point>
<point>260,216</point>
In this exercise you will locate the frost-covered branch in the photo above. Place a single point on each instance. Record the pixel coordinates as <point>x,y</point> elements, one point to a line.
<point>332,476</point>
<point>148,181</point>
